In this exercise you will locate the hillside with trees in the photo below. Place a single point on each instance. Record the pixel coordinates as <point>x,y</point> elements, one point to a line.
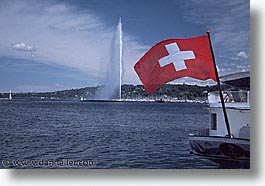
<point>168,91</point>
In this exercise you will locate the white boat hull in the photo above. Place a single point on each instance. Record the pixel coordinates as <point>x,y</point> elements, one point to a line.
<point>227,152</point>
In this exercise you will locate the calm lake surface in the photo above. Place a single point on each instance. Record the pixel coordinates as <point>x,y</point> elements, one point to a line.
<point>112,134</point>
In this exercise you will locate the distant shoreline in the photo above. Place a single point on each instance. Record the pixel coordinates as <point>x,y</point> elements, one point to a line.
<point>167,93</point>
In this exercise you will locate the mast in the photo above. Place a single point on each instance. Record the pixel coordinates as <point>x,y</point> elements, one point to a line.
<point>10,95</point>
<point>220,90</point>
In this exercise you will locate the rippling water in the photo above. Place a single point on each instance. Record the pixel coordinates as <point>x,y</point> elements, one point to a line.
<point>114,135</point>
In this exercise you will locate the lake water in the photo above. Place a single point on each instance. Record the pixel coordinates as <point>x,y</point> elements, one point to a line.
<point>111,134</point>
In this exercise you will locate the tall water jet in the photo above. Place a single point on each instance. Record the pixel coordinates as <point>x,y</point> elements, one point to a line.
<point>121,54</point>
<point>111,89</point>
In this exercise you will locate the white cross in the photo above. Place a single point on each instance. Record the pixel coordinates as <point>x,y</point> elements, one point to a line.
<point>176,57</point>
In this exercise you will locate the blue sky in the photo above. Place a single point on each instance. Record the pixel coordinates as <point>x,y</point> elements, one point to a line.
<point>54,45</point>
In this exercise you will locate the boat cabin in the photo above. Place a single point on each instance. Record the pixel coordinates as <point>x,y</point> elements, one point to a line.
<point>237,103</point>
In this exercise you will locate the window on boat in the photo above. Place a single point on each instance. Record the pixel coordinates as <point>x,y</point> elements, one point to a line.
<point>213,121</point>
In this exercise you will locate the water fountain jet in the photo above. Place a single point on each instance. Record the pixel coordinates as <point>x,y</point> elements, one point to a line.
<point>111,88</point>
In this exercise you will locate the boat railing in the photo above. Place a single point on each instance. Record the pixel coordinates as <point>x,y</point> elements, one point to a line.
<point>230,97</point>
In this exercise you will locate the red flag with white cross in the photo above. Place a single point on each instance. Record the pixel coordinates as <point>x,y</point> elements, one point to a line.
<point>175,58</point>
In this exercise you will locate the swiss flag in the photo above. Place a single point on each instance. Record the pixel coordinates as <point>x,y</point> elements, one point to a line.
<point>175,58</point>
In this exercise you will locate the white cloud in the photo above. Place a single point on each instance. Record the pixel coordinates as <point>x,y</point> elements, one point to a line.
<point>23,47</point>
<point>59,34</point>
<point>242,54</point>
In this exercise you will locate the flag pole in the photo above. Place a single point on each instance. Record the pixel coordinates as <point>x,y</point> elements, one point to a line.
<point>220,89</point>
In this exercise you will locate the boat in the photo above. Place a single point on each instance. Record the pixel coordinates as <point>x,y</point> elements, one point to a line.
<point>160,101</point>
<point>9,98</point>
<point>214,143</point>
<point>100,100</point>
<point>10,95</point>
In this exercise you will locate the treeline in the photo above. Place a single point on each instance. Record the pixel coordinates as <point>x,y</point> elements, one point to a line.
<point>183,92</point>
<point>168,91</point>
